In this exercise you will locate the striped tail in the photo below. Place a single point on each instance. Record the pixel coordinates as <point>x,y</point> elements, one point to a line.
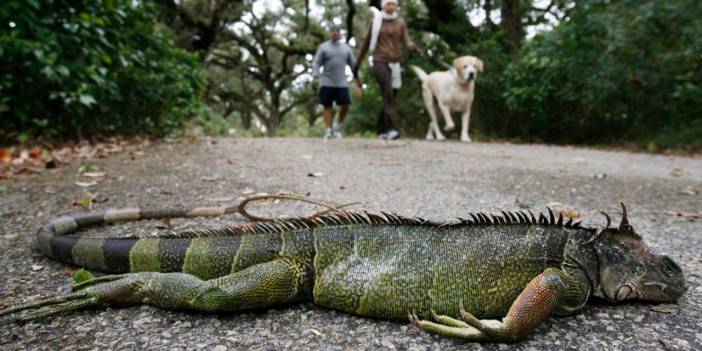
<point>132,254</point>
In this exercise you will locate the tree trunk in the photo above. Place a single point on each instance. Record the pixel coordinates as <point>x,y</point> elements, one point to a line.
<point>512,23</point>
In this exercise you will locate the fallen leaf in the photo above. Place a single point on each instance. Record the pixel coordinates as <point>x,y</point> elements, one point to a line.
<point>94,174</point>
<point>677,172</point>
<point>688,191</point>
<point>664,308</point>
<point>248,191</point>
<point>554,204</point>
<point>84,202</point>
<point>307,157</point>
<point>687,215</point>
<point>315,174</point>
<point>86,184</point>
<point>23,156</point>
<point>599,175</point>
<point>36,267</point>
<point>5,156</point>
<point>210,178</point>
<point>88,168</point>
<point>36,152</point>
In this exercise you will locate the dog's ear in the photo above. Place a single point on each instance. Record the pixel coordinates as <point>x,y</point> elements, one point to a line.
<point>479,64</point>
<point>458,64</point>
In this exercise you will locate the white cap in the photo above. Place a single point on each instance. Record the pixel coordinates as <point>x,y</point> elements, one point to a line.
<point>385,2</point>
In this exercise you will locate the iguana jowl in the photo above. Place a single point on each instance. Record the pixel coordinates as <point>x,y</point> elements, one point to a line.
<point>462,275</point>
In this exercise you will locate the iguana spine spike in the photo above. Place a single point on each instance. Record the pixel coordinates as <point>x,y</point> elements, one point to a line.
<point>506,218</point>
<point>551,218</point>
<point>542,219</point>
<point>496,219</point>
<point>533,219</point>
<point>570,222</point>
<point>625,221</point>
<point>609,220</point>
<point>513,217</point>
<point>475,219</point>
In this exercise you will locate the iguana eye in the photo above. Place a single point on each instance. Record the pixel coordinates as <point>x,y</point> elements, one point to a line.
<point>637,269</point>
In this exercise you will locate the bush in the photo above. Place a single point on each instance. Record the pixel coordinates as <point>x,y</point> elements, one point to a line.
<point>616,71</point>
<point>73,68</point>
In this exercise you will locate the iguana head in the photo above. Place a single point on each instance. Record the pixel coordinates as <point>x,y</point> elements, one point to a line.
<point>627,269</point>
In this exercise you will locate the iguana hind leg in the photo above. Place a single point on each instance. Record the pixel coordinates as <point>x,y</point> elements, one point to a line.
<point>263,285</point>
<point>552,291</point>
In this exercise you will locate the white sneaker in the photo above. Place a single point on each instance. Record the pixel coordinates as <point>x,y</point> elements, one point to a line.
<point>337,131</point>
<point>328,134</point>
<point>393,134</point>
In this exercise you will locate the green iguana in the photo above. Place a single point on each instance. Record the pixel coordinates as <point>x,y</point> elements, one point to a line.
<point>462,275</point>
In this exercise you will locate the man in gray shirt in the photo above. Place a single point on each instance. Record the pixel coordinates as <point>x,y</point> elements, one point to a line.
<point>332,57</point>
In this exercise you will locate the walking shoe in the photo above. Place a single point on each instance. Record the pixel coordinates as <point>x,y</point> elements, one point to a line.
<point>337,131</point>
<point>393,134</point>
<point>328,134</point>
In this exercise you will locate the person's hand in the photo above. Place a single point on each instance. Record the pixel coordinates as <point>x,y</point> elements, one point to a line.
<point>359,82</point>
<point>413,47</point>
<point>354,70</point>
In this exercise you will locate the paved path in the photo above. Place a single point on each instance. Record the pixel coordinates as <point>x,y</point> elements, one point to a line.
<point>429,179</point>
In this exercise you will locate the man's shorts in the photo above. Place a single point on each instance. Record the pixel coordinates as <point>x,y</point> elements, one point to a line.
<point>329,95</point>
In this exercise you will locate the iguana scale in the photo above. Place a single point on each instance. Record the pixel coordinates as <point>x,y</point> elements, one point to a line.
<point>453,278</point>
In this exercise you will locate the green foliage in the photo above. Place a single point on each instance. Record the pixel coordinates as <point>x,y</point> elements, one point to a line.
<point>625,70</point>
<point>85,67</point>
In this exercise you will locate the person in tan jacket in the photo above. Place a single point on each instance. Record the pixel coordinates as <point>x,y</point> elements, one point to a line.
<point>384,41</point>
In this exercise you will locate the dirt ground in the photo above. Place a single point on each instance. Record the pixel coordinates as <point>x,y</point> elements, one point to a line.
<point>429,179</point>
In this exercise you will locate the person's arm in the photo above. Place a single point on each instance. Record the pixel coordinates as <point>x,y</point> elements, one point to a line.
<point>406,38</point>
<point>351,61</point>
<point>317,62</point>
<point>363,50</point>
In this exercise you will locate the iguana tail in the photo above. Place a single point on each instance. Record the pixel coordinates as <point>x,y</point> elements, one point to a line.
<point>162,253</point>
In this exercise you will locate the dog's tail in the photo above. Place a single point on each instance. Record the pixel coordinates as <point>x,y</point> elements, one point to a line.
<point>419,72</point>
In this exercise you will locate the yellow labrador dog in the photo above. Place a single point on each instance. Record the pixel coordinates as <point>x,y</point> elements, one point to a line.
<point>453,91</point>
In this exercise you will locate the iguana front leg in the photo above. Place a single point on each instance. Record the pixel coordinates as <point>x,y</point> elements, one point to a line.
<point>263,285</point>
<point>553,291</point>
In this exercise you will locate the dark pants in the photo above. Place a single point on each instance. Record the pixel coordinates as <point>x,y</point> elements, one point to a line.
<point>387,119</point>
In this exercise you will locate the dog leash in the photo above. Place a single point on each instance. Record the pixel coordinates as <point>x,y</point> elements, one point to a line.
<point>435,60</point>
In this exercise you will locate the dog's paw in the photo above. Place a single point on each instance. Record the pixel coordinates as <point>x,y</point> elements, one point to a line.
<point>465,139</point>
<point>449,127</point>
<point>440,138</point>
